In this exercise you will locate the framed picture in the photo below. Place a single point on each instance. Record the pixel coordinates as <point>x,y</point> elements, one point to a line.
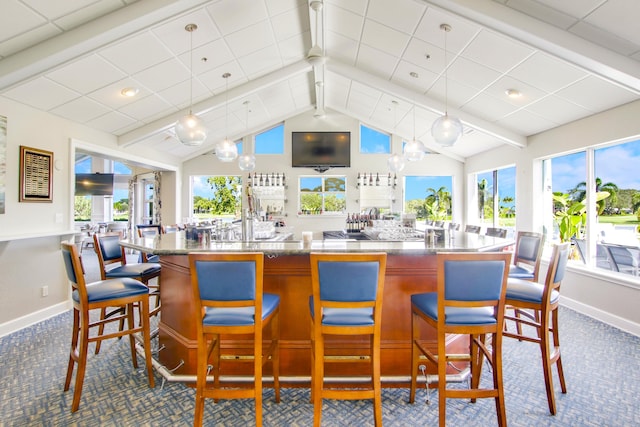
<point>36,178</point>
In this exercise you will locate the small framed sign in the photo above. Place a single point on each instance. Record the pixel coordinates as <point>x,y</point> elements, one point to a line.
<point>36,178</point>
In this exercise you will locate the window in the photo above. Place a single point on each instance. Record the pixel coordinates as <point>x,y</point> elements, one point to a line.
<point>83,205</point>
<point>496,192</point>
<point>270,141</point>
<point>601,218</point>
<point>215,197</point>
<point>428,197</point>
<point>322,195</point>
<point>373,141</point>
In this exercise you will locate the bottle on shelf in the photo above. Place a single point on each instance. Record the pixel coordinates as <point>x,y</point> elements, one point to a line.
<point>266,180</point>
<point>358,181</point>
<point>395,179</point>
<point>371,179</point>
<point>377,179</point>
<point>273,179</point>
<point>364,179</point>
<point>261,182</point>
<point>389,179</point>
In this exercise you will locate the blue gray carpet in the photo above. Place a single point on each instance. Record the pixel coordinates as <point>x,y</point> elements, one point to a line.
<point>602,368</point>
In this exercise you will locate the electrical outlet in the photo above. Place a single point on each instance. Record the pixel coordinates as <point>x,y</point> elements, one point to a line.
<point>44,291</point>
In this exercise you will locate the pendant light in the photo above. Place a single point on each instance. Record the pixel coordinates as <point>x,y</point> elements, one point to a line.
<point>396,162</point>
<point>247,162</point>
<point>190,129</point>
<point>226,150</point>
<point>446,130</point>
<point>414,151</point>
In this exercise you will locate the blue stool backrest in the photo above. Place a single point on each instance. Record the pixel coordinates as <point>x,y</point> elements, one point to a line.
<point>68,264</point>
<point>110,247</point>
<point>528,248</point>
<point>562,264</point>
<point>348,280</point>
<point>468,280</point>
<point>226,280</point>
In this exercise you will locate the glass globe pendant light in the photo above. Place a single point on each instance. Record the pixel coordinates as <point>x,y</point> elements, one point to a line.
<point>190,129</point>
<point>226,150</point>
<point>446,130</point>
<point>414,151</point>
<point>247,161</point>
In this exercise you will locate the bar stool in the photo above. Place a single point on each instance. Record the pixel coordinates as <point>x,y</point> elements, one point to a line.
<point>227,292</point>
<point>469,300</point>
<point>537,306</point>
<point>121,292</point>
<point>527,256</point>
<point>496,232</point>
<point>346,300</point>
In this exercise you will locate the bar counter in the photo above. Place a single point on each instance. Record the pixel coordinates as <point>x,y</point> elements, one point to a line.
<point>411,268</point>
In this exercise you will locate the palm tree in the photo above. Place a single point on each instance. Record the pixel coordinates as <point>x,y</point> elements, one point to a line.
<point>439,199</point>
<point>483,192</point>
<point>579,192</point>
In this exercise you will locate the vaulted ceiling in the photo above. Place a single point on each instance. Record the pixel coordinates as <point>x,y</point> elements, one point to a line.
<point>568,59</point>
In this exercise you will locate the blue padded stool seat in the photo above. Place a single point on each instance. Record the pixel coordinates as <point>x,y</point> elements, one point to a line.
<point>345,316</point>
<point>428,304</point>
<point>526,291</point>
<point>105,290</point>
<point>129,270</point>
<point>150,258</point>
<point>239,316</point>
<point>518,272</point>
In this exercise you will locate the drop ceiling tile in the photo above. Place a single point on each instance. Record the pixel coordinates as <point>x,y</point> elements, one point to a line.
<point>41,93</point>
<point>136,53</point>
<point>111,122</point>
<point>87,74</point>
<point>293,49</point>
<point>496,51</point>
<point>420,84</point>
<point>471,74</point>
<point>421,53</point>
<point>28,38</point>
<point>90,11</point>
<point>179,95</point>
<point>178,40</point>
<point>290,23</point>
<point>529,93</point>
<point>376,61</point>
<point>251,39</point>
<point>111,95</point>
<point>576,8</point>
<point>596,94</point>
<point>207,57</point>
<point>384,38</point>
<point>546,72</point>
<point>260,62</point>
<point>80,109</point>
<point>619,17</point>
<point>276,7</point>
<point>604,38</point>
<point>344,22</point>
<point>458,94</point>
<point>145,108</point>
<point>52,10</point>
<point>356,6</point>
<point>216,83</point>
<point>401,15</point>
<point>461,34</point>
<point>545,13</point>
<point>556,109</point>
<point>341,48</point>
<point>232,16</point>
<point>526,123</point>
<point>17,19</point>
<point>488,107</point>
<point>163,75</point>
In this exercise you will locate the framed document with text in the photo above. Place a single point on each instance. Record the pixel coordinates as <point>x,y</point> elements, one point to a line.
<point>36,175</point>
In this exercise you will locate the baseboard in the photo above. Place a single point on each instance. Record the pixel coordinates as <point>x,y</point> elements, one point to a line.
<point>602,316</point>
<point>33,318</point>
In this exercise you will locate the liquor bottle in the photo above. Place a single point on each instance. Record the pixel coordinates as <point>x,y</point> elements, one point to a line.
<point>261,181</point>
<point>249,182</point>
<point>348,223</point>
<point>283,183</point>
<point>358,182</point>
<point>277,183</point>
<point>266,180</point>
<point>371,179</point>
<point>389,180</point>
<point>364,179</point>
<point>377,179</point>
<point>395,179</point>
<point>273,179</point>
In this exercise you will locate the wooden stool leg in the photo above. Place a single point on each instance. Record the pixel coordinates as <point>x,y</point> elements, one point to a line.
<point>318,381</point>
<point>257,375</point>
<point>496,355</point>
<point>82,360</point>
<point>556,343</point>
<point>415,356</point>
<point>546,353</point>
<point>275,357</point>
<point>377,392</point>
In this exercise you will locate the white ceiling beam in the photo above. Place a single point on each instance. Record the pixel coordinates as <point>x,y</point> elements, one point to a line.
<point>411,97</point>
<point>235,93</point>
<point>547,38</point>
<point>51,53</point>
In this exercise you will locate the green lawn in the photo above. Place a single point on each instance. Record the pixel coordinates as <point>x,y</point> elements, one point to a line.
<point>619,219</point>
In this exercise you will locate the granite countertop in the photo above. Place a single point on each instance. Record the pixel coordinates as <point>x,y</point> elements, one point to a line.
<point>176,244</point>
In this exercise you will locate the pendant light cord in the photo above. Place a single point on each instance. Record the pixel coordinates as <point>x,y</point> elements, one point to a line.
<point>446,28</point>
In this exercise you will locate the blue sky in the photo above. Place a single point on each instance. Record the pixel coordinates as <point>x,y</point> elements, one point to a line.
<point>617,164</point>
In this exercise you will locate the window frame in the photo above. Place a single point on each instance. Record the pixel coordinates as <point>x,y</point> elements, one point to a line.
<point>323,193</point>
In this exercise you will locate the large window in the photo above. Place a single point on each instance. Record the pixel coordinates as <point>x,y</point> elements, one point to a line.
<point>496,196</point>
<point>270,141</point>
<point>599,215</point>
<point>84,205</point>
<point>373,141</point>
<point>428,197</point>
<point>215,197</point>
<point>322,195</point>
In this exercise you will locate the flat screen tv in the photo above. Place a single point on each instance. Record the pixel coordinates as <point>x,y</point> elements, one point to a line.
<point>320,150</point>
<point>94,184</point>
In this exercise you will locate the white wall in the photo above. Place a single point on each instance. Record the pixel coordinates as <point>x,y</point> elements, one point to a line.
<point>30,233</point>
<point>431,165</point>
<point>609,297</point>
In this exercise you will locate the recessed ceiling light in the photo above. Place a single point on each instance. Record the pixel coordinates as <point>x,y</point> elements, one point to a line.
<point>129,91</point>
<point>513,93</point>
<point>414,74</point>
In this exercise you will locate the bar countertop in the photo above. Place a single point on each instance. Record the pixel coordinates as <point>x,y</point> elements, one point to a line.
<point>176,244</point>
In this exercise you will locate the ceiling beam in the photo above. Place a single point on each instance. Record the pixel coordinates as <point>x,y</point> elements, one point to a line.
<point>437,107</point>
<point>239,92</point>
<point>83,40</point>
<point>547,38</point>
